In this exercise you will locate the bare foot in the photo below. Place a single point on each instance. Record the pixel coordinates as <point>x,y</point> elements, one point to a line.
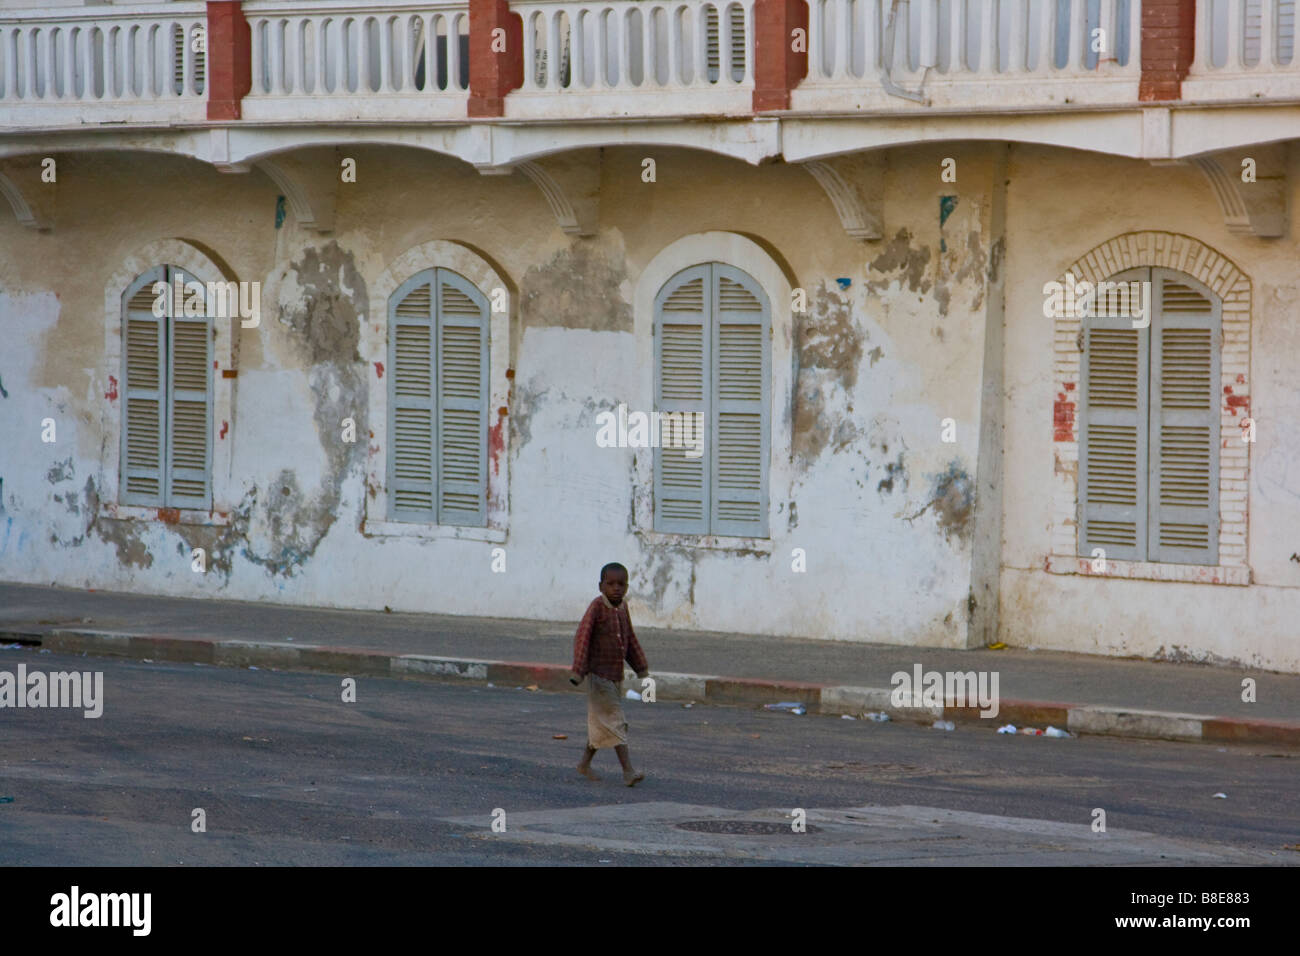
<point>586,771</point>
<point>632,777</point>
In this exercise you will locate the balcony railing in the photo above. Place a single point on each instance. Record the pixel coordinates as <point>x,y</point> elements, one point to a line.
<point>623,57</point>
<point>991,55</point>
<point>398,60</point>
<point>408,60</point>
<point>133,64</point>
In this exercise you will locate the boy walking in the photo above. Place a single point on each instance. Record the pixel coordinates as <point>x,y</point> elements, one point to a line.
<point>603,641</point>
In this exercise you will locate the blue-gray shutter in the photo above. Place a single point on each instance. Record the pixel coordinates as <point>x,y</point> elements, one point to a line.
<point>411,390</point>
<point>1113,435</point>
<point>683,385</point>
<point>737,435</point>
<point>1187,337</point>
<point>462,401</point>
<point>144,393</point>
<point>189,403</point>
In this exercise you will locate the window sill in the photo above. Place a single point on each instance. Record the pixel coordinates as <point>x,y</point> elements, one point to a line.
<point>185,516</point>
<point>707,542</point>
<point>1150,571</point>
<point>431,532</point>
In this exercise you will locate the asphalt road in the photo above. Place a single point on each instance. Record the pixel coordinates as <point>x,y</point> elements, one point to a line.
<point>412,772</point>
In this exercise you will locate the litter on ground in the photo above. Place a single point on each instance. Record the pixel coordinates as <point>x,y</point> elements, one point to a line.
<point>879,716</point>
<point>633,695</point>
<point>792,707</point>
<point>1007,729</point>
<point>944,725</point>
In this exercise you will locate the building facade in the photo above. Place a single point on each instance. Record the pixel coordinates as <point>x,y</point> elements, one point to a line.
<point>791,307</point>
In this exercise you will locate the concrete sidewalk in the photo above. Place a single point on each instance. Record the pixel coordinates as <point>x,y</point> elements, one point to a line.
<point>1084,693</point>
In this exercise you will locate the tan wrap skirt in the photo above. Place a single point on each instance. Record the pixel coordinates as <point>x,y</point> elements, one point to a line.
<point>606,724</point>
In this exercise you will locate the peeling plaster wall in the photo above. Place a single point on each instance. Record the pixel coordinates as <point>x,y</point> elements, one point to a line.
<point>1252,625</point>
<point>884,510</point>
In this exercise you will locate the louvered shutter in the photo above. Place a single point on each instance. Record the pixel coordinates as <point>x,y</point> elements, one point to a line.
<point>713,37</point>
<point>738,434</point>
<point>189,403</point>
<point>462,401</point>
<point>1113,436</point>
<point>682,385</point>
<point>1186,335</point>
<point>411,390</point>
<point>144,393</point>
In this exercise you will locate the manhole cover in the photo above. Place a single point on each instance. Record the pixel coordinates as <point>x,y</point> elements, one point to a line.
<point>742,827</point>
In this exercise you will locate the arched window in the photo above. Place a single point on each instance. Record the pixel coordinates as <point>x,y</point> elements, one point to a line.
<point>1150,424</point>
<point>167,356</point>
<point>712,367</point>
<point>438,400</point>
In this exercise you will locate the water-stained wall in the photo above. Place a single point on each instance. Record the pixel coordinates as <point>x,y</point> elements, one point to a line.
<point>876,440</point>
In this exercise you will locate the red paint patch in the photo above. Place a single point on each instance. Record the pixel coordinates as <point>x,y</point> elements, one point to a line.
<point>1063,419</point>
<point>379,369</point>
<point>225,427</point>
<point>1241,380</point>
<point>1069,386</point>
<point>169,515</point>
<point>214,363</point>
<point>1238,401</point>
<point>497,442</point>
<point>111,394</point>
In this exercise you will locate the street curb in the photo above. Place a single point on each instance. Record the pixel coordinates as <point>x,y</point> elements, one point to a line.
<point>702,688</point>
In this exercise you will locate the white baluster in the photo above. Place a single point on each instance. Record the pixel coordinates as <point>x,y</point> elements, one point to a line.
<point>364,59</point>
<point>530,50</point>
<point>625,46</point>
<point>903,39</point>
<point>34,61</point>
<point>1017,37</point>
<point>1134,64</point>
<point>343,54</point>
<point>9,55</point>
<point>929,26</point>
<point>1106,21</point>
<point>555,50</point>
<point>452,24</point>
<point>82,62</point>
<point>275,42</point>
<point>1203,58</point>
<point>1267,36</point>
<point>869,12</point>
<point>48,64</point>
<point>385,23</point>
<point>320,48</point>
<point>1079,38</point>
<point>298,56</point>
<point>989,36</point>
<point>1047,37</point>
<point>672,29</point>
<point>187,61</point>
<point>844,39</point>
<point>649,46</point>
<point>1236,16</point>
<point>816,67</point>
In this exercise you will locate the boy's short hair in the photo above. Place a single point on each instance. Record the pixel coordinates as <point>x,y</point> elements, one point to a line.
<point>612,566</point>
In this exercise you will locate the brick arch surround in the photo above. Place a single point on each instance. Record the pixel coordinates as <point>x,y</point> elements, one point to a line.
<point>1194,258</point>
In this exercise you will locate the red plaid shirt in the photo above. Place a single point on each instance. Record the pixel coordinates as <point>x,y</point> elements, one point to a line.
<point>604,640</point>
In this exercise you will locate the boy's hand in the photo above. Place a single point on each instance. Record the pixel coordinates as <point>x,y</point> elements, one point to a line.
<point>643,675</point>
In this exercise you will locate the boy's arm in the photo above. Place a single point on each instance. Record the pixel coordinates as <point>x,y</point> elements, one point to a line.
<point>636,656</point>
<point>582,643</point>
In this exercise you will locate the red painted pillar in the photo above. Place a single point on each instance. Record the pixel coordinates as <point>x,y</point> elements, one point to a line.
<point>230,59</point>
<point>496,56</point>
<point>780,54</point>
<point>1168,44</point>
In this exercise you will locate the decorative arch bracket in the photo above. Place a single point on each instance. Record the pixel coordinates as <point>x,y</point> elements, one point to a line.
<point>31,199</point>
<point>855,186</point>
<point>571,185</point>
<point>310,186</point>
<point>1250,208</point>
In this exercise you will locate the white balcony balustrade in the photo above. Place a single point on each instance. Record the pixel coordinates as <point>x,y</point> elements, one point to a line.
<point>970,55</point>
<point>126,64</point>
<point>1245,49</point>
<point>329,61</point>
<point>626,58</point>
